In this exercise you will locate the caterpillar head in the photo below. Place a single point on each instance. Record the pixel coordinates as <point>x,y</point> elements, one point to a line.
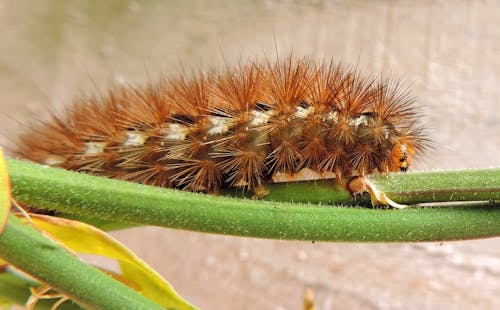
<point>401,157</point>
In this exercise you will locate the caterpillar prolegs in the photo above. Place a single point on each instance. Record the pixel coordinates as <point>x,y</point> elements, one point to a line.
<point>243,126</point>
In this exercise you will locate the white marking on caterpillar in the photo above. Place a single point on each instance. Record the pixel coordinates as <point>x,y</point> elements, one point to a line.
<point>301,112</point>
<point>134,139</point>
<point>94,148</point>
<point>54,160</point>
<point>359,120</point>
<point>176,132</point>
<point>332,116</point>
<point>260,118</point>
<point>219,124</point>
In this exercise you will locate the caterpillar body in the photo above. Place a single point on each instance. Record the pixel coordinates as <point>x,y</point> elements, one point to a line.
<point>239,127</point>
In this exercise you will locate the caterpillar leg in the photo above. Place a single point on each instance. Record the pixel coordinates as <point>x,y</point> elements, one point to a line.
<point>260,191</point>
<point>361,184</point>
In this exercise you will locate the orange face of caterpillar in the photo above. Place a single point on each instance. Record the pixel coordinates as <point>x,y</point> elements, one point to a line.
<point>236,128</point>
<point>401,157</point>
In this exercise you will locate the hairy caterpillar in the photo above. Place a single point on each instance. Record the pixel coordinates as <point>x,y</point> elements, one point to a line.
<point>238,127</point>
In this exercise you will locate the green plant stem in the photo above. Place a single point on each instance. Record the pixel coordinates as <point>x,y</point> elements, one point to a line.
<point>27,249</point>
<point>107,199</point>
<point>16,290</point>
<point>405,188</point>
<point>441,186</point>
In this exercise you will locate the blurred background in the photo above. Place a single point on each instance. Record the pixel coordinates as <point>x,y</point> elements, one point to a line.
<point>52,52</point>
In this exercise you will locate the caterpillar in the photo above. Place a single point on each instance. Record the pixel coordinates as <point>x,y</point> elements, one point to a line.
<point>241,126</point>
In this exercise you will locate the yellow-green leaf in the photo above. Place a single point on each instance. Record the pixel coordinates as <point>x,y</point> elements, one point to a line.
<point>5,196</point>
<point>5,303</point>
<point>84,238</point>
<point>13,289</point>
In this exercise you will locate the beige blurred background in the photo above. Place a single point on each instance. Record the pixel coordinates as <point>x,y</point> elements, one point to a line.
<point>54,51</point>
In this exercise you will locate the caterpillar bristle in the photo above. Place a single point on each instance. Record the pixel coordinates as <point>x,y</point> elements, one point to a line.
<point>239,127</point>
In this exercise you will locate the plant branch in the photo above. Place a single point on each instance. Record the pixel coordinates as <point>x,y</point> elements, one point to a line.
<point>106,199</point>
<point>27,249</point>
<point>16,290</point>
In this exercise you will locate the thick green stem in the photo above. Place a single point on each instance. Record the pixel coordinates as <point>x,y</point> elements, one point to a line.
<point>441,186</point>
<point>405,188</point>
<point>16,290</point>
<point>90,196</point>
<point>27,249</point>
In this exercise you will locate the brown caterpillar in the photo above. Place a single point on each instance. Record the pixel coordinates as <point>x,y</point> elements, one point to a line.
<point>238,127</point>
